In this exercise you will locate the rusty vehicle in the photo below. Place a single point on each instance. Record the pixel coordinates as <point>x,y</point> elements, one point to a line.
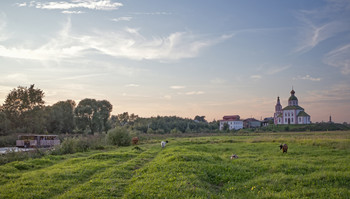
<point>39,141</point>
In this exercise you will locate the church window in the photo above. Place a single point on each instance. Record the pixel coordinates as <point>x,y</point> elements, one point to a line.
<point>285,120</point>
<point>292,119</point>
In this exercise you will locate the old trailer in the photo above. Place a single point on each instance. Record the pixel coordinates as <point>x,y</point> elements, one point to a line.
<point>30,141</point>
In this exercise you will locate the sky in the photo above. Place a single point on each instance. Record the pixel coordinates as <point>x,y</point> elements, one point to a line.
<point>184,57</point>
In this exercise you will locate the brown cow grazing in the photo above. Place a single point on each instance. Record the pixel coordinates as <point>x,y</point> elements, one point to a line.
<point>284,147</point>
<point>135,140</point>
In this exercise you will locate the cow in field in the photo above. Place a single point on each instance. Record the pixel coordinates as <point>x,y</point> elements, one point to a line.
<point>284,147</point>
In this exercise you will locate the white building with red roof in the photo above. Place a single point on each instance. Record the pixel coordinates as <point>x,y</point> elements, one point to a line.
<point>233,122</point>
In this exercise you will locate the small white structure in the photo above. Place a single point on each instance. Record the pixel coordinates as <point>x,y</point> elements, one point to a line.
<point>233,122</point>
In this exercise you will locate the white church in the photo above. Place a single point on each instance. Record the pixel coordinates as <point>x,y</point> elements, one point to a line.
<point>292,114</point>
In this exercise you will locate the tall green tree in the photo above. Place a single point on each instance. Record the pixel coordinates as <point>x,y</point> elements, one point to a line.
<point>200,118</point>
<point>124,119</point>
<point>23,107</point>
<point>84,114</point>
<point>104,112</point>
<point>5,124</point>
<point>93,115</point>
<point>60,117</point>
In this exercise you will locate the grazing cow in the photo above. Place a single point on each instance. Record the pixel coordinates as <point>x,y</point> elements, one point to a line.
<point>284,147</point>
<point>135,140</point>
<point>234,156</point>
<point>163,143</point>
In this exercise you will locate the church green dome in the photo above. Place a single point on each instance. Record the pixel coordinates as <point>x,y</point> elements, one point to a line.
<point>292,98</point>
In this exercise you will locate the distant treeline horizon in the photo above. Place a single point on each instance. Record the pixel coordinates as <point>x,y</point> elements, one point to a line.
<point>24,112</point>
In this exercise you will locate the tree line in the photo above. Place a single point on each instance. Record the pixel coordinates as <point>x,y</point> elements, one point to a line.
<point>24,111</point>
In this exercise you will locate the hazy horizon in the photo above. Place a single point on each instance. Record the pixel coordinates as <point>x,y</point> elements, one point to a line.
<point>183,58</point>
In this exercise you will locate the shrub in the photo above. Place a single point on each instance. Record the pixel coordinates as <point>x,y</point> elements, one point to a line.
<point>175,131</point>
<point>119,136</point>
<point>19,156</point>
<point>78,144</point>
<point>69,145</point>
<point>8,140</point>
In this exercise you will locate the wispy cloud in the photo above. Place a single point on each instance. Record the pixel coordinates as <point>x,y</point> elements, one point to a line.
<point>312,34</point>
<point>127,43</point>
<point>194,93</point>
<point>177,87</point>
<point>340,58</point>
<point>152,13</point>
<point>3,24</point>
<point>72,12</point>
<point>218,81</point>
<point>255,77</point>
<point>122,19</point>
<point>24,4</point>
<point>167,97</point>
<point>132,85</point>
<point>322,23</point>
<point>66,5</point>
<point>275,70</point>
<point>308,77</point>
<point>63,45</point>
<point>338,93</point>
<point>80,76</point>
<point>15,78</point>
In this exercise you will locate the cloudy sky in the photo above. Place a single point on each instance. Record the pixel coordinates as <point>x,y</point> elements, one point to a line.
<point>184,57</point>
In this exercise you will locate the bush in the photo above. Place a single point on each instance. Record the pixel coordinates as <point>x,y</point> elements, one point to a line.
<point>72,145</point>
<point>69,145</point>
<point>19,156</point>
<point>175,131</point>
<point>119,136</point>
<point>8,140</point>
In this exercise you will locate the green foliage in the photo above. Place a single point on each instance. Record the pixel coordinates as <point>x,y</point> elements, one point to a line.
<point>5,124</point>
<point>19,156</point>
<point>306,127</point>
<point>60,117</point>
<point>164,125</point>
<point>8,140</point>
<point>286,128</point>
<point>76,144</point>
<point>226,127</point>
<point>119,136</point>
<point>93,115</point>
<point>200,118</point>
<point>125,119</point>
<point>69,145</point>
<point>175,131</point>
<point>24,109</point>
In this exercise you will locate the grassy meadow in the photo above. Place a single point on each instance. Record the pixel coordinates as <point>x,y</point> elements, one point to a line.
<point>317,165</point>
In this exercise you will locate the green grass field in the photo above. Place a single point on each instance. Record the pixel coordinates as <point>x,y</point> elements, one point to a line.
<point>317,165</point>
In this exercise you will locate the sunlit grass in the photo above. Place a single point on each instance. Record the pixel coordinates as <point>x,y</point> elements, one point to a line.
<point>317,165</point>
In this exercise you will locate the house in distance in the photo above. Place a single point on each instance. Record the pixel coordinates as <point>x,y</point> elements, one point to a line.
<point>233,122</point>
